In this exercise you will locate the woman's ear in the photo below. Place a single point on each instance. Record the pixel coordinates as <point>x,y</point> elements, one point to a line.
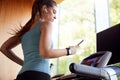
<point>44,8</point>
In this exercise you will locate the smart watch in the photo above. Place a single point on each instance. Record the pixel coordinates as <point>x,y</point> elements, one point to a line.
<point>69,51</point>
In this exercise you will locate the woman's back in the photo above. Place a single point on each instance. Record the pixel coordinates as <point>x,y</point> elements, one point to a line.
<point>32,58</point>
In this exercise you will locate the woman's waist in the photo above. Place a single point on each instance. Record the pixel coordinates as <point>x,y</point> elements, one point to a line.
<point>36,66</point>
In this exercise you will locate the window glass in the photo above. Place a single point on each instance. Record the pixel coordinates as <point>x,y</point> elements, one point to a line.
<point>75,22</point>
<point>114,7</point>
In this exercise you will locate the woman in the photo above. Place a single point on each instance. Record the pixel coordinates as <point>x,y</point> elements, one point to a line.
<point>35,38</point>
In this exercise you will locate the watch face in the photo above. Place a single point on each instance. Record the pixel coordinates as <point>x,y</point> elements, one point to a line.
<point>70,51</point>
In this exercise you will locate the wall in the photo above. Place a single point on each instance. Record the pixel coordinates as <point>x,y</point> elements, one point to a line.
<point>12,13</point>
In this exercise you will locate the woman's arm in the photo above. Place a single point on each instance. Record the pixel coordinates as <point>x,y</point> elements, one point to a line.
<point>45,43</point>
<point>6,49</point>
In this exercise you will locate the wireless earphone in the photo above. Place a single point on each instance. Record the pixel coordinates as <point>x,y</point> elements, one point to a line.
<point>46,10</point>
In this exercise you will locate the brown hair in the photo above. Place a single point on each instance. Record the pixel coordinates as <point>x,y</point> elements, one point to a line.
<point>36,8</point>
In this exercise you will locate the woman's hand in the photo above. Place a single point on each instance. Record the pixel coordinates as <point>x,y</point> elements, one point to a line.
<point>73,49</point>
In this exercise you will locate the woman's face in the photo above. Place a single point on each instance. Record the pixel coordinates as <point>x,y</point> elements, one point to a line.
<point>50,14</point>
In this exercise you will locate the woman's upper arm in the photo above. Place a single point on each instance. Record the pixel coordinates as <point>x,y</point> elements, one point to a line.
<point>45,38</point>
<point>10,43</point>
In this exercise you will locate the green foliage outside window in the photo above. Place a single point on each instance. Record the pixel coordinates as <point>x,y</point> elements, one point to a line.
<point>114,11</point>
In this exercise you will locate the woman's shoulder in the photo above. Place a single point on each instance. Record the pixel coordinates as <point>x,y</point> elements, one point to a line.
<point>47,24</point>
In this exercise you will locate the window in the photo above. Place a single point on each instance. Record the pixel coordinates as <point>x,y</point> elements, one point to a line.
<point>75,21</point>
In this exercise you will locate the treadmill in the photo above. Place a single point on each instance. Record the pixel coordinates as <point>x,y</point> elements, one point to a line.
<point>93,67</point>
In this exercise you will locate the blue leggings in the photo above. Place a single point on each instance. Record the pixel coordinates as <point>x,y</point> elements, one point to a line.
<point>33,75</point>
